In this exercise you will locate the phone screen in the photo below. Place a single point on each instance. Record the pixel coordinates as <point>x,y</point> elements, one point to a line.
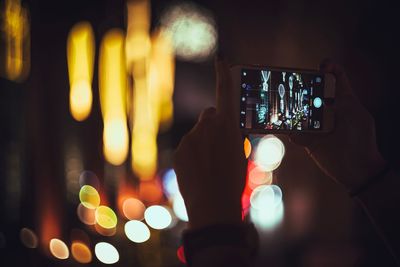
<point>281,100</point>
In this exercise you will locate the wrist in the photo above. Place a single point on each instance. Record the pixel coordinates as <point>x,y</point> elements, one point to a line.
<point>207,213</point>
<point>241,236</point>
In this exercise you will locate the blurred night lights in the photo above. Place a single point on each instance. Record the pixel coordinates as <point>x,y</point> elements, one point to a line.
<point>268,217</point>
<point>193,31</point>
<point>179,208</point>
<point>180,253</point>
<point>269,153</point>
<point>86,215</point>
<point>157,217</point>
<point>247,147</point>
<point>105,217</point>
<point>170,183</point>
<point>277,194</point>
<point>171,189</point>
<point>80,55</point>
<point>266,206</point>
<point>133,209</point>
<point>89,178</point>
<point>81,252</point>
<point>58,249</point>
<point>137,231</point>
<point>28,238</point>
<point>150,192</point>
<point>106,253</point>
<point>257,176</point>
<point>89,197</point>
<point>262,196</point>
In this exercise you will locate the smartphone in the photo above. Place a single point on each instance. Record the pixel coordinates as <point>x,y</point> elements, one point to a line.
<point>283,100</point>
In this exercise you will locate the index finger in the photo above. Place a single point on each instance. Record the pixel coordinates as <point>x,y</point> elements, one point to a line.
<point>227,97</point>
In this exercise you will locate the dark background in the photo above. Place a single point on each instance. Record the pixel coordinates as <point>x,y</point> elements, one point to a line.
<point>36,126</point>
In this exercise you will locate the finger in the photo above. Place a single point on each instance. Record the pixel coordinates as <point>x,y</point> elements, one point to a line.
<point>205,118</point>
<point>207,114</point>
<point>343,87</point>
<point>227,101</point>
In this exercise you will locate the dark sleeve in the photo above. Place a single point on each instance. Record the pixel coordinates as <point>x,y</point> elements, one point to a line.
<point>381,202</point>
<point>221,245</point>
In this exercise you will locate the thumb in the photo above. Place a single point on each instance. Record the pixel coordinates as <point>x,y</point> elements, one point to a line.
<point>343,87</point>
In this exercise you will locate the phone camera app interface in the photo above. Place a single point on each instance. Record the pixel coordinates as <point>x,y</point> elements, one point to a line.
<point>279,100</point>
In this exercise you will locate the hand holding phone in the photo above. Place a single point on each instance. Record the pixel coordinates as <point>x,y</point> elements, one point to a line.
<point>349,154</point>
<point>279,100</point>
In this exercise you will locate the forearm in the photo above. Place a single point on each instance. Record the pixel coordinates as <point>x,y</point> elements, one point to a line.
<point>380,201</point>
<point>221,245</point>
<point>220,256</point>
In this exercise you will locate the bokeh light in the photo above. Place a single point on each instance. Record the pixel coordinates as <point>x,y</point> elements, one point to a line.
<point>247,147</point>
<point>180,253</point>
<point>262,196</point>
<point>28,238</point>
<point>161,78</point>
<point>113,93</point>
<point>257,176</point>
<point>86,215</point>
<point>133,209</point>
<point>106,253</point>
<point>80,100</point>
<point>15,28</point>
<point>269,153</point>
<point>138,43</point>
<point>157,217</point>
<point>58,249</point>
<point>268,217</point>
<point>277,194</point>
<point>144,115</point>
<point>144,141</point>
<point>137,231</point>
<point>193,31</point>
<point>89,178</point>
<point>115,140</point>
<point>150,191</point>
<point>106,217</point>
<point>80,54</point>
<point>179,208</point>
<point>89,197</point>
<point>81,252</point>
<point>170,183</point>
